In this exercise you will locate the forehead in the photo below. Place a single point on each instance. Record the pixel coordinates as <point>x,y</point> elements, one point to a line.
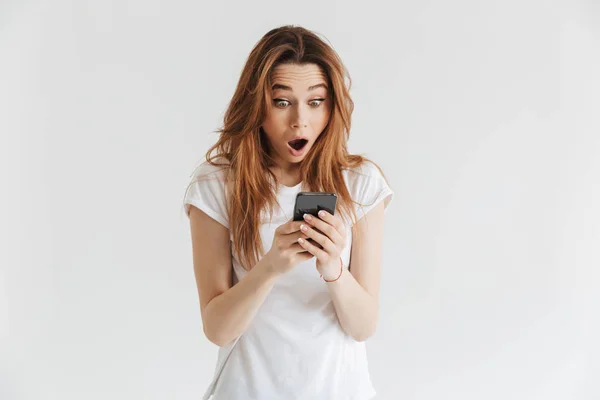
<point>298,77</point>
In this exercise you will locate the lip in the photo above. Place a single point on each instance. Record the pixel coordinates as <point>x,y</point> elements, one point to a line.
<point>298,137</point>
<point>294,152</point>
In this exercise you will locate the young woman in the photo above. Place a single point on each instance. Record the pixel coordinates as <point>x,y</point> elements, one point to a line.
<point>289,303</point>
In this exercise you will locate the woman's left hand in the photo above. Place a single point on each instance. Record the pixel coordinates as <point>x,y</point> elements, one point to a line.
<point>330,232</point>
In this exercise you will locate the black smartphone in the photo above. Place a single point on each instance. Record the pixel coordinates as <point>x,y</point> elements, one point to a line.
<point>313,202</point>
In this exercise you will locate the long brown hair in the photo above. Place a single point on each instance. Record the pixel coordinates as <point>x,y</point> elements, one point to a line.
<point>245,149</point>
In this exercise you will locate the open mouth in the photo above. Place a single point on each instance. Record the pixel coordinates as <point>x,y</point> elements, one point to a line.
<point>298,144</point>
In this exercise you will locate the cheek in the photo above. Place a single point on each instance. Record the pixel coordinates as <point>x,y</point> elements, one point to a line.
<point>273,128</point>
<point>325,116</point>
<point>325,112</point>
<point>322,119</point>
<point>274,121</point>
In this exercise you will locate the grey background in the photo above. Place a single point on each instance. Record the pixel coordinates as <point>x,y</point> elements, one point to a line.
<point>483,115</point>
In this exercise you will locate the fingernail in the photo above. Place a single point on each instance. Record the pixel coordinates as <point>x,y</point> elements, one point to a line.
<point>307,217</point>
<point>322,213</point>
<point>303,228</point>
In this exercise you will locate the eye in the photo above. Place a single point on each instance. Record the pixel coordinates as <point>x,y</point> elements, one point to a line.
<point>319,101</point>
<point>281,103</point>
<point>277,102</point>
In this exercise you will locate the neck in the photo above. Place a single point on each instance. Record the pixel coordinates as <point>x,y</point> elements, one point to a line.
<point>288,177</point>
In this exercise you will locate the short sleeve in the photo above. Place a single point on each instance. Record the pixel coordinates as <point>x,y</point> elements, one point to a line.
<point>369,188</point>
<point>206,191</point>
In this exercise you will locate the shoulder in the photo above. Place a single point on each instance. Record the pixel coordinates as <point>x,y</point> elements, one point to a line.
<point>207,171</point>
<point>207,190</point>
<point>368,173</point>
<point>368,185</point>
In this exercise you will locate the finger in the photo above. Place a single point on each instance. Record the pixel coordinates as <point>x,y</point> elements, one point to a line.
<point>324,241</point>
<point>312,249</point>
<point>312,241</point>
<point>305,256</point>
<point>333,220</point>
<point>290,227</point>
<point>297,248</point>
<point>292,238</point>
<point>330,231</point>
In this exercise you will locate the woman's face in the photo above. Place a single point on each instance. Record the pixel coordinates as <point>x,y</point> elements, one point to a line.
<point>300,108</point>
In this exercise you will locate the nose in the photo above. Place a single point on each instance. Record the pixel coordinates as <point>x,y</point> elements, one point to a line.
<point>299,117</point>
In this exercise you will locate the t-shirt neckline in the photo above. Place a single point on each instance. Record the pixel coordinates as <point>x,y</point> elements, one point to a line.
<point>289,189</point>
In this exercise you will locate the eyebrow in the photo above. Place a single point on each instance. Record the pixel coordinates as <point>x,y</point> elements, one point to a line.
<point>284,87</point>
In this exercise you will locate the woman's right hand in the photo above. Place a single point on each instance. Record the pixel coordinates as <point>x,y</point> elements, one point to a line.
<point>286,252</point>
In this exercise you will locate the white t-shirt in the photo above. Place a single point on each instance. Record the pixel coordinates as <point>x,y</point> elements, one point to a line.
<point>294,348</point>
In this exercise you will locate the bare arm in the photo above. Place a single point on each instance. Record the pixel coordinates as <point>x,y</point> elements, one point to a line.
<point>356,295</point>
<point>226,311</point>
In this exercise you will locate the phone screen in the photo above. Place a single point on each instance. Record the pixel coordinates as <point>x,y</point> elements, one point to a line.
<point>313,202</point>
